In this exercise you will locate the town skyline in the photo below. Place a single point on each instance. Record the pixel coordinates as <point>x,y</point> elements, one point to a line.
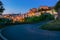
<point>23,7</point>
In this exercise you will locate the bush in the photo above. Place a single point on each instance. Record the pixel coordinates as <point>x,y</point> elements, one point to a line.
<point>5,21</point>
<point>46,16</point>
<point>42,17</point>
<point>52,26</point>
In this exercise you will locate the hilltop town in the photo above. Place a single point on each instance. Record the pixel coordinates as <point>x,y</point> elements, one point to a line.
<point>42,23</point>
<point>32,12</point>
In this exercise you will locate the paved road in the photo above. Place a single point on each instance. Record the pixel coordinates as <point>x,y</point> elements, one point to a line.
<point>29,32</point>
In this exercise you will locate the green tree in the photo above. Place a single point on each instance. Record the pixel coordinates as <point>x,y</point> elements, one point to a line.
<point>57,9</point>
<point>46,17</point>
<point>1,8</point>
<point>57,6</point>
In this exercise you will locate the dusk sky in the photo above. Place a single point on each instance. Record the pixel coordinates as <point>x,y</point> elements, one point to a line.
<point>17,6</point>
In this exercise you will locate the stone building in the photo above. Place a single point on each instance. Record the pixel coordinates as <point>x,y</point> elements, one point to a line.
<point>46,9</point>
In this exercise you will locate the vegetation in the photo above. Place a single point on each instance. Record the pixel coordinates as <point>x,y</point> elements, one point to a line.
<point>42,17</point>
<point>4,22</point>
<point>54,26</point>
<point>1,8</point>
<point>46,16</point>
<point>34,19</point>
<point>57,6</point>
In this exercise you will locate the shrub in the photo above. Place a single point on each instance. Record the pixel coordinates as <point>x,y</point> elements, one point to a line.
<point>5,20</point>
<point>46,16</point>
<point>42,17</point>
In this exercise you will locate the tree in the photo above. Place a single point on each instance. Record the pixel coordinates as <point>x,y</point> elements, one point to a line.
<point>57,6</point>
<point>1,8</point>
<point>57,9</point>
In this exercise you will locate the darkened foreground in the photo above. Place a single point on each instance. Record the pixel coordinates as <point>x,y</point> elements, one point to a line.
<point>29,20</point>
<point>55,26</point>
<point>29,32</point>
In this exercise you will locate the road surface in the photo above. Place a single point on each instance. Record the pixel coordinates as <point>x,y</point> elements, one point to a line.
<point>29,32</point>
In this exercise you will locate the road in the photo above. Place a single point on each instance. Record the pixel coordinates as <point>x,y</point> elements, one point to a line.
<point>29,32</point>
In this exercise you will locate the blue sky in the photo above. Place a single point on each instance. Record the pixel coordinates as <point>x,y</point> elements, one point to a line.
<point>17,6</point>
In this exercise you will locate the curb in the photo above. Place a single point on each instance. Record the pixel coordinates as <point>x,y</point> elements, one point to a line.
<point>2,37</point>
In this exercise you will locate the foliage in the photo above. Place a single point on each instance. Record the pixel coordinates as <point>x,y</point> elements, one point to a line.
<point>42,17</point>
<point>46,16</point>
<point>57,6</point>
<point>55,26</point>
<point>1,8</point>
<point>5,20</point>
<point>39,10</point>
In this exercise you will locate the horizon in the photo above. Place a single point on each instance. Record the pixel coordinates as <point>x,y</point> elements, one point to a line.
<point>17,6</point>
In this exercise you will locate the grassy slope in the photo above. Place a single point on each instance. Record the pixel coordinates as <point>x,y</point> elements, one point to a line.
<point>55,25</point>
